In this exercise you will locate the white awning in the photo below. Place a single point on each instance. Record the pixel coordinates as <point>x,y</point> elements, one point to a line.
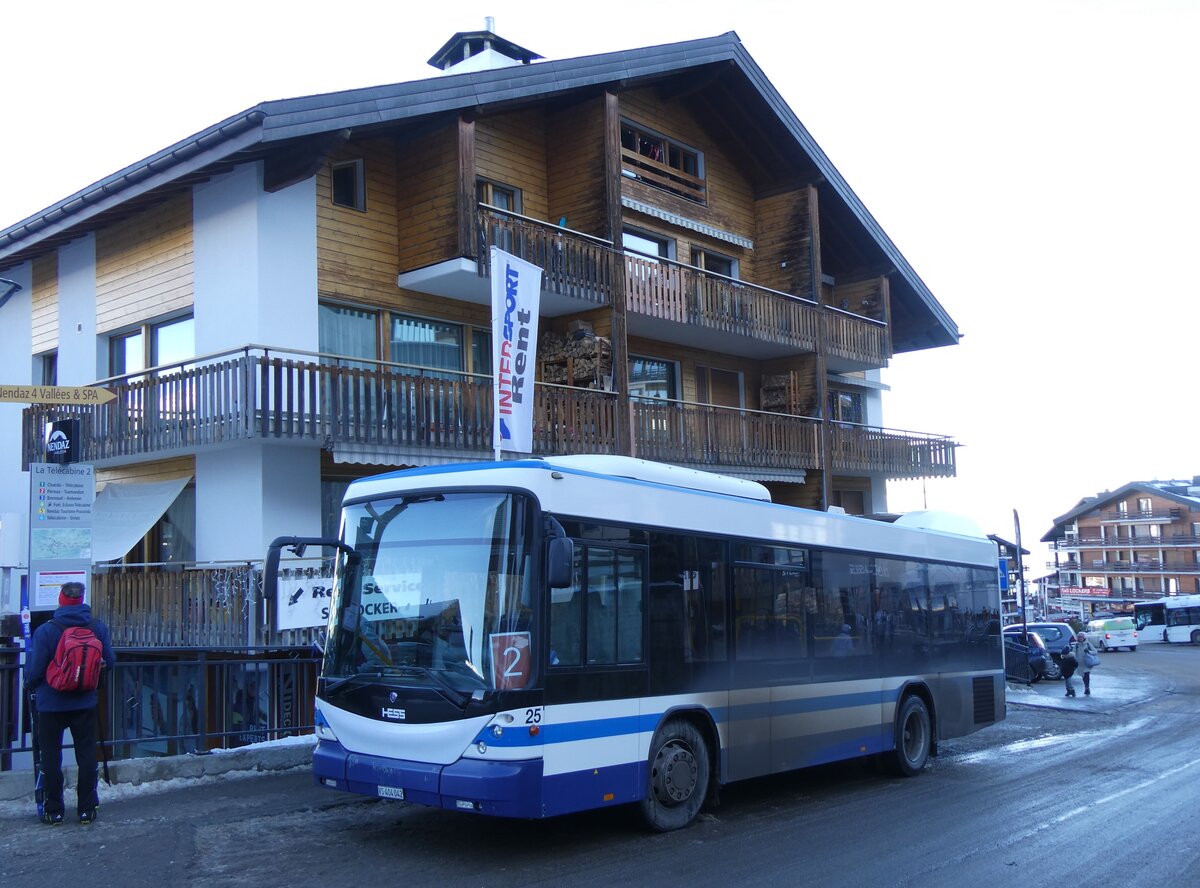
<point>124,512</point>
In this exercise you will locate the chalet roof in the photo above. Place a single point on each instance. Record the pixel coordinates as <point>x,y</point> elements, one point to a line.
<point>1186,493</point>
<point>720,64</point>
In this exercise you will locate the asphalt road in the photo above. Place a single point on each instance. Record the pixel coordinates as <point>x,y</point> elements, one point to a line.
<point>1059,794</point>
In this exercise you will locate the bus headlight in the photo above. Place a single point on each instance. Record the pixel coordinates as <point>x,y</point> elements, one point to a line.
<point>322,729</point>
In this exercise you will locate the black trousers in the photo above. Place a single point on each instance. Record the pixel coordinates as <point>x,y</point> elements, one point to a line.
<point>50,728</point>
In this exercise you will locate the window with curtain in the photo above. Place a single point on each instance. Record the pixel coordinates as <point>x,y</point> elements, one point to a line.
<point>426,343</point>
<point>347,332</point>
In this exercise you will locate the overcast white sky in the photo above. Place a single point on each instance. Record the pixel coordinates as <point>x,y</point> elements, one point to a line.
<point>1035,161</point>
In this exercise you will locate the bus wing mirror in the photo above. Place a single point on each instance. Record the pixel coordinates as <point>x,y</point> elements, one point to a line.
<point>297,546</point>
<point>559,563</point>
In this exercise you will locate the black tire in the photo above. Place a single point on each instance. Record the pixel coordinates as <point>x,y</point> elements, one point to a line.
<point>914,738</point>
<point>1195,636</point>
<point>677,785</point>
<point>1054,671</point>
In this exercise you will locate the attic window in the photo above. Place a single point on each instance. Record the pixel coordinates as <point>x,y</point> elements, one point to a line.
<point>662,162</point>
<point>349,187</point>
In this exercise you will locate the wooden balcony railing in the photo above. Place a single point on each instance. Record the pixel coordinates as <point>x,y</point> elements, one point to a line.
<point>190,606</point>
<point>578,265</point>
<point>894,454</point>
<point>259,394</point>
<point>573,264</point>
<point>332,400</point>
<point>705,435</point>
<point>661,175</point>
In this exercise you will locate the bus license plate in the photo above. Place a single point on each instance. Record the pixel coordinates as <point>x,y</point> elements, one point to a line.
<point>391,792</point>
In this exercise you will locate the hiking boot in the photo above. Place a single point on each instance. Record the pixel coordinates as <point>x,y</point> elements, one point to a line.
<point>1087,692</point>
<point>52,819</point>
<point>87,817</point>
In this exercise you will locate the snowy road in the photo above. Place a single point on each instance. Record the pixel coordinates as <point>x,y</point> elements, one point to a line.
<point>1055,792</point>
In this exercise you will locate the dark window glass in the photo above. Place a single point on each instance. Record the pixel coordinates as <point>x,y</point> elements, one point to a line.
<point>126,354</point>
<point>346,180</point>
<point>772,613</point>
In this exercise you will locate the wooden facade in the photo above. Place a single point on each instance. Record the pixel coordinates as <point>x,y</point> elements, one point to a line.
<point>746,302</point>
<point>144,266</point>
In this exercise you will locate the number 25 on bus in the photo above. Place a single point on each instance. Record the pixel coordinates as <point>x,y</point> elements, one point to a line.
<point>536,637</point>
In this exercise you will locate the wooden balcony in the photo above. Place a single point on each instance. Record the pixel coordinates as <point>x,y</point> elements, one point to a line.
<point>188,606</point>
<point>258,394</point>
<point>894,454</point>
<point>703,435</point>
<point>679,303</point>
<point>404,413</point>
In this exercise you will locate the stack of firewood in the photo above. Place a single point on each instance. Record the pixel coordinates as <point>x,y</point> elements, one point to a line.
<point>590,358</point>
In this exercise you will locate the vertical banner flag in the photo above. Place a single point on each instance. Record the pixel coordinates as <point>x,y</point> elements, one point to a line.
<point>516,292</point>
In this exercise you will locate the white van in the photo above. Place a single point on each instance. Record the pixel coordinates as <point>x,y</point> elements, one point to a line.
<point>1113,633</point>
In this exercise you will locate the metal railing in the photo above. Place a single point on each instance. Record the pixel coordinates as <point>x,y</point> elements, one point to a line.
<point>154,704</point>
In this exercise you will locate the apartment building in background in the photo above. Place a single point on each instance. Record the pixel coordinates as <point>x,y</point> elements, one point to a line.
<point>1137,543</point>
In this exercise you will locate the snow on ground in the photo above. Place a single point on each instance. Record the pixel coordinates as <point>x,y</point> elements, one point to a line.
<point>22,808</point>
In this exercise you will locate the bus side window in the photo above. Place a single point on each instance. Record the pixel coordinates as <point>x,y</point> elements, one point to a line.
<point>566,620</point>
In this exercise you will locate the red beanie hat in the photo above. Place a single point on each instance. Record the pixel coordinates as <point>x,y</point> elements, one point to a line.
<point>70,593</point>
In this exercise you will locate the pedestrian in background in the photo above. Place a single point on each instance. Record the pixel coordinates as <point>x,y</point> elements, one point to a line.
<point>59,710</point>
<point>1069,665</point>
<point>1087,658</point>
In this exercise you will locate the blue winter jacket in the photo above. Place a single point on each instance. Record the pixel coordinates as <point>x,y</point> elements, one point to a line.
<point>41,652</point>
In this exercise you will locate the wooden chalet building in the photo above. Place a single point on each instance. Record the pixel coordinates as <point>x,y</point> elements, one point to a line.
<point>298,295</point>
<point>1140,542</point>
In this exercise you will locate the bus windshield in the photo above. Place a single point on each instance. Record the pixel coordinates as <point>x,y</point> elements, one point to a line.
<point>437,594</point>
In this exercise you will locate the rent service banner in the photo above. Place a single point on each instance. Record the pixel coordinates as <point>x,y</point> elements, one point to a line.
<point>516,292</point>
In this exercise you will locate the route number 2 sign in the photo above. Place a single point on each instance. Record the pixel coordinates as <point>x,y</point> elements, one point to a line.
<point>511,659</point>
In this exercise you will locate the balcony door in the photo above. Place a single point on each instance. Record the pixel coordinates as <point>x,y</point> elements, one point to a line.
<point>721,388</point>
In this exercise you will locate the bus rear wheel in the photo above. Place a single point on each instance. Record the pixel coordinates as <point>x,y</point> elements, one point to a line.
<point>1195,636</point>
<point>679,775</point>
<point>914,738</point>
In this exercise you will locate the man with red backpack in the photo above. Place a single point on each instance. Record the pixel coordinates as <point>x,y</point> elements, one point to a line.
<point>62,669</point>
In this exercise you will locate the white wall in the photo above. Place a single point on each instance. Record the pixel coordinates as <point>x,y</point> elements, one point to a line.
<point>255,263</point>
<point>248,495</point>
<point>256,283</point>
<point>78,361</point>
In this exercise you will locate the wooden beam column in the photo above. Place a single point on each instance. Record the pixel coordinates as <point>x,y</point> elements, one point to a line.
<point>822,371</point>
<point>620,342</point>
<point>467,237</point>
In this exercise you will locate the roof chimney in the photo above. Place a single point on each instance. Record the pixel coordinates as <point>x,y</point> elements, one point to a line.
<point>480,51</point>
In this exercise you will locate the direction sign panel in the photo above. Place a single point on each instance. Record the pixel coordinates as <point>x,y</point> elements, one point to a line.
<point>55,394</point>
<point>60,530</point>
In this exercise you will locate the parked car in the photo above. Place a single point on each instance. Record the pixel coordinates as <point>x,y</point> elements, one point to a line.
<point>1111,635</point>
<point>1018,645</point>
<point>1057,637</point>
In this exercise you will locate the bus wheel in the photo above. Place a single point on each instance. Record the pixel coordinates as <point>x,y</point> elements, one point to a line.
<point>914,737</point>
<point>679,775</point>
<point>1195,636</point>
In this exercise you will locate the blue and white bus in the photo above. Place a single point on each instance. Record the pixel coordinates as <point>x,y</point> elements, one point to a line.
<point>1174,618</point>
<point>536,637</point>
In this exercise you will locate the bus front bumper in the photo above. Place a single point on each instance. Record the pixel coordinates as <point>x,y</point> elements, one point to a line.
<point>502,789</point>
